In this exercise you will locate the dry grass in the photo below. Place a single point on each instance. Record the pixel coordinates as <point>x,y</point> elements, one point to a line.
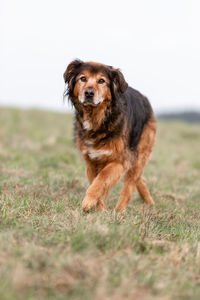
<point>50,249</point>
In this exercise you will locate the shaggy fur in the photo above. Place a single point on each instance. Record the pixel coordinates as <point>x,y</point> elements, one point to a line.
<point>114,130</point>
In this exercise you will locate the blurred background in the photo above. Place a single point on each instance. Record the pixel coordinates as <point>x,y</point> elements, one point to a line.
<point>155,43</point>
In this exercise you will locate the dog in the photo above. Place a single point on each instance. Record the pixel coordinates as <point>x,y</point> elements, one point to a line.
<point>114,130</point>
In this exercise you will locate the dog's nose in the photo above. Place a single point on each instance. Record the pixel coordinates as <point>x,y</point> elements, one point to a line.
<point>89,92</point>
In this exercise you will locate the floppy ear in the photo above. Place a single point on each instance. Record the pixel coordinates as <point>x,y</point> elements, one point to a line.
<point>70,73</point>
<point>120,84</point>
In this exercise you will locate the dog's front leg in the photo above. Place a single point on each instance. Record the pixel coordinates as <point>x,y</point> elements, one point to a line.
<point>91,172</point>
<point>102,184</point>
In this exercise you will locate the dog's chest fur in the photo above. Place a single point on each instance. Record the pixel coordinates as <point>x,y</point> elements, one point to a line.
<point>99,133</point>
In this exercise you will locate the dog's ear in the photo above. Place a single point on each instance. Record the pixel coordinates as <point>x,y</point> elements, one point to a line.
<point>120,84</point>
<point>71,72</point>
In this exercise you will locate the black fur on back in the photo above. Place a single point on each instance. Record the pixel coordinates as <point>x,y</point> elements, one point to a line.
<point>138,112</point>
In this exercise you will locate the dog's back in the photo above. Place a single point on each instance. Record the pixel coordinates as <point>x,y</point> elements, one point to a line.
<point>139,112</point>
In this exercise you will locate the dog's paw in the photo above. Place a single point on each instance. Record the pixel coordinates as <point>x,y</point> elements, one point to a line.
<point>149,201</point>
<point>120,208</point>
<point>88,203</point>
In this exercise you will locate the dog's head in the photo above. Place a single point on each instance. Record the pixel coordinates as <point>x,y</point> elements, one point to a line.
<point>90,84</point>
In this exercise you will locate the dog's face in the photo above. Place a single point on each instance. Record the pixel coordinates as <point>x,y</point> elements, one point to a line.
<point>92,88</point>
<point>92,83</point>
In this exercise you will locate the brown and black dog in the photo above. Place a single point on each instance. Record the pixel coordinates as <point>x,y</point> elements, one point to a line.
<point>115,131</point>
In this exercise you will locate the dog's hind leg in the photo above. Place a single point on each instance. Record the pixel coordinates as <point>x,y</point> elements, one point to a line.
<point>143,191</point>
<point>91,174</point>
<point>91,171</point>
<point>127,191</point>
<point>131,181</point>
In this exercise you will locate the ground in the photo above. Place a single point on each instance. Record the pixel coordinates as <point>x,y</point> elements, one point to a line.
<point>50,249</point>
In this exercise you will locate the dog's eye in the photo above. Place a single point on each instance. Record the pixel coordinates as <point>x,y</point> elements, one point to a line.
<point>101,81</point>
<point>83,79</point>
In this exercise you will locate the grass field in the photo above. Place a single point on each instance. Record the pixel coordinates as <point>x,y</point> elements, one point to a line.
<point>50,249</point>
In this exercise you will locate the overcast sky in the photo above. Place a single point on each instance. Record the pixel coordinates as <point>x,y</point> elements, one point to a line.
<point>155,43</point>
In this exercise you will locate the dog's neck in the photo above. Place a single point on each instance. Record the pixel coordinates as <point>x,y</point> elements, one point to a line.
<point>95,124</point>
<point>90,117</point>
<point>95,116</point>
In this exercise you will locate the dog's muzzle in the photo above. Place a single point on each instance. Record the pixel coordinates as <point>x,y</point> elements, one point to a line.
<point>89,97</point>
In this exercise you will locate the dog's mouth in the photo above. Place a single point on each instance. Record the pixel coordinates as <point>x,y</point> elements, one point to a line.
<point>89,102</point>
